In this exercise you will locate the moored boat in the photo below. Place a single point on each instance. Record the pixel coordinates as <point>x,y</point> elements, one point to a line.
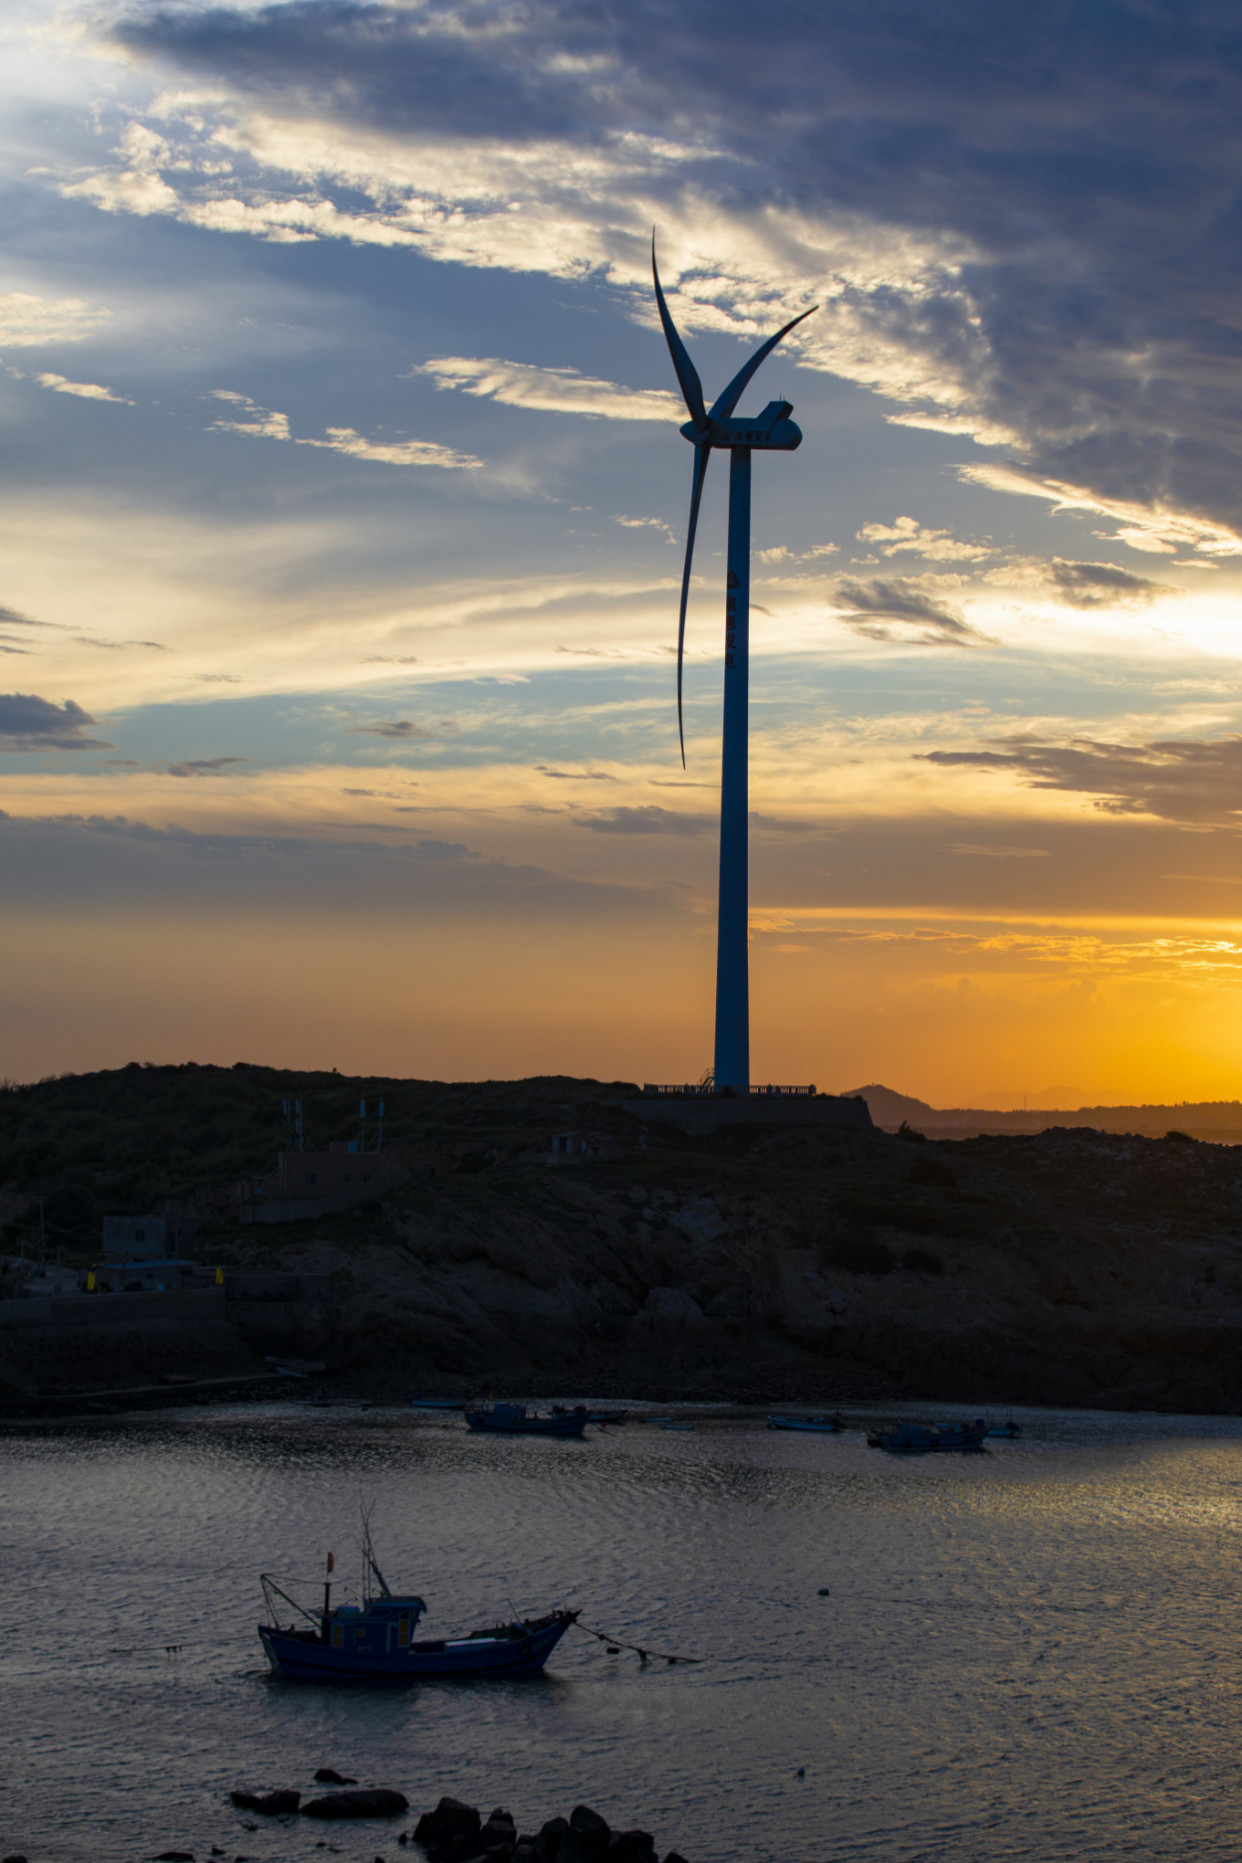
<point>516,1420</point>
<point>1007,1429</point>
<point>375,1642</point>
<point>592,1416</point>
<point>825,1425</point>
<point>914,1436</point>
<point>436,1403</point>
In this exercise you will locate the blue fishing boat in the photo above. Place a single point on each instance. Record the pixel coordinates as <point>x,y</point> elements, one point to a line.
<point>516,1420</point>
<point>375,1642</point>
<point>828,1425</point>
<point>920,1436</point>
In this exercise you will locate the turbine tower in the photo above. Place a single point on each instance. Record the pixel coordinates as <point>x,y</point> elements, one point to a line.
<point>770,432</point>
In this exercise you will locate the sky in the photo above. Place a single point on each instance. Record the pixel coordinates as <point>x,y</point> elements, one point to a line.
<point>342,505</point>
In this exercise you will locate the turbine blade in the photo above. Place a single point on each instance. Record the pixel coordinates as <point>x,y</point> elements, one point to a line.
<point>701,456</point>
<point>687,374</point>
<point>733,393</point>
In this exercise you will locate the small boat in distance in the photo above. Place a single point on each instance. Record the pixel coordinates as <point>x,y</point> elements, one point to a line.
<point>375,1642</point>
<point>1008,1428</point>
<point>826,1425</point>
<point>916,1436</point>
<point>516,1420</point>
<point>437,1403</point>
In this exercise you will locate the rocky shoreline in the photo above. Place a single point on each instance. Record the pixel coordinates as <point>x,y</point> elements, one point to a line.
<point>453,1832</point>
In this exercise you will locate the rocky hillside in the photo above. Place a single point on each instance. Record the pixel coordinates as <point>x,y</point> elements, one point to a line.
<point>1072,1267</point>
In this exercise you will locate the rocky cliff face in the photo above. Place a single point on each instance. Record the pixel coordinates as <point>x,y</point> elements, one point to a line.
<point>1074,1267</point>
<point>1070,1268</point>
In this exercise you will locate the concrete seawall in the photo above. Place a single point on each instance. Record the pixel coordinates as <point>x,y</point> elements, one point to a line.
<point>61,1312</point>
<point>86,1343</point>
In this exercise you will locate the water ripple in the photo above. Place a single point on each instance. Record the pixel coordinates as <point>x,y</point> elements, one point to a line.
<point>1029,1653</point>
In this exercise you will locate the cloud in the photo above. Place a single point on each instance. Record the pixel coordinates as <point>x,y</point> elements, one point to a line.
<point>393,727</point>
<point>781,553</point>
<point>31,723</point>
<point>87,862</point>
<point>575,776</point>
<point>1015,233</point>
<point>29,322</point>
<point>1154,529</point>
<point>1181,780</point>
<point>447,850</point>
<point>89,391</point>
<point>394,452</point>
<point>985,850</point>
<point>629,523</point>
<point>602,653</point>
<point>261,424</point>
<point>647,819</point>
<point>1100,585</point>
<point>203,766</point>
<point>784,825</point>
<point>120,646</point>
<point>906,534</point>
<point>266,424</point>
<point>218,679</point>
<point>555,391</point>
<point>895,609</point>
<point>18,642</point>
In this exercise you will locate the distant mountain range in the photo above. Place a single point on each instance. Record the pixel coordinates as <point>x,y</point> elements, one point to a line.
<point>1219,1120</point>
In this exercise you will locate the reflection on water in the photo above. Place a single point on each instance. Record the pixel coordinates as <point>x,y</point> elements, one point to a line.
<point>1029,1652</point>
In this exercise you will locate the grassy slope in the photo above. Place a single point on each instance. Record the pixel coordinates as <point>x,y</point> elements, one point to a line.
<point>122,1141</point>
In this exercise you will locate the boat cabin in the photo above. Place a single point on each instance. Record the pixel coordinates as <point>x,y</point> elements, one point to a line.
<point>373,1629</point>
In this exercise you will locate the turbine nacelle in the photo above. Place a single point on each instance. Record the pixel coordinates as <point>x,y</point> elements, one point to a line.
<point>772,431</point>
<point>718,426</point>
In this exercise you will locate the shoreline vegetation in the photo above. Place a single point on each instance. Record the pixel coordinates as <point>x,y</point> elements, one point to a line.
<point>750,1266</point>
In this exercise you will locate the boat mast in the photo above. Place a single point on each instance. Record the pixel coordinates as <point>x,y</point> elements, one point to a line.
<point>368,1554</point>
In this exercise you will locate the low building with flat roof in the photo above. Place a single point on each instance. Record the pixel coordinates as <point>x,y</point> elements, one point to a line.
<point>319,1183</point>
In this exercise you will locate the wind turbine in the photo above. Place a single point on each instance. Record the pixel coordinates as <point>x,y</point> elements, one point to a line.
<point>770,432</point>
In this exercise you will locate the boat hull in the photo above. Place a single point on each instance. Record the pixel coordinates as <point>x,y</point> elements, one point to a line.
<point>822,1426</point>
<point>301,1657</point>
<point>915,1441</point>
<point>485,1424</point>
<point>592,1416</point>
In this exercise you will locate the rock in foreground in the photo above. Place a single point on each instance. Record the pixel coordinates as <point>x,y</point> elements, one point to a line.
<point>271,1804</point>
<point>377,1803</point>
<point>456,1833</point>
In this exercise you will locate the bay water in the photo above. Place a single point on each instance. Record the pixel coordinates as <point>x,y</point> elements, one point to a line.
<point>1026,1652</point>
